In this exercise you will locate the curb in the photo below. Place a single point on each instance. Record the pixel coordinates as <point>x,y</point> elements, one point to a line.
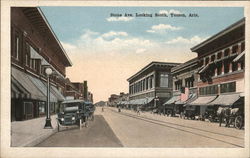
<point>40,139</point>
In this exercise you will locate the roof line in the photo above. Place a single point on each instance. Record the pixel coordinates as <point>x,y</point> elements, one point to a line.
<point>53,33</point>
<point>224,31</point>
<point>149,65</point>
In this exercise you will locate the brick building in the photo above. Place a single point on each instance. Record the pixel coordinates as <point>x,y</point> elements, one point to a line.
<point>34,46</point>
<point>221,64</point>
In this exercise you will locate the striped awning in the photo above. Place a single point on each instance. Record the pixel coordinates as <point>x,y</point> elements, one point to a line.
<point>226,99</point>
<point>172,100</point>
<point>26,87</point>
<point>203,100</point>
<point>42,87</point>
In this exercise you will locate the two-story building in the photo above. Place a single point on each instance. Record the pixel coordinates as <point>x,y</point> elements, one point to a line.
<point>152,85</point>
<point>185,80</point>
<point>221,64</point>
<point>34,47</point>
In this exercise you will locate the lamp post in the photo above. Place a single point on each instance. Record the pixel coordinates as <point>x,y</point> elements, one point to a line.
<point>48,125</point>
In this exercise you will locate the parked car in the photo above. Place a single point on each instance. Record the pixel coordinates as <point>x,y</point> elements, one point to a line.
<point>74,112</point>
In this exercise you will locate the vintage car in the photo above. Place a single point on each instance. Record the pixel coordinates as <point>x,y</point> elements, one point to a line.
<point>191,111</point>
<point>74,112</point>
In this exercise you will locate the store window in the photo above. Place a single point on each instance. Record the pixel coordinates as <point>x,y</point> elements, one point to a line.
<point>28,110</point>
<point>228,87</point>
<point>41,108</point>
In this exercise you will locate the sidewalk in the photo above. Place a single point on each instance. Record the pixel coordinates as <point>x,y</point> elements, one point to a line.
<point>31,132</point>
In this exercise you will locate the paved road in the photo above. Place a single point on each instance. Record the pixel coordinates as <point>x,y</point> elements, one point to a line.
<point>116,129</point>
<point>148,130</point>
<point>97,134</point>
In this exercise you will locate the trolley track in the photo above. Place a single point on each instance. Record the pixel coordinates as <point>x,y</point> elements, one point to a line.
<point>192,130</point>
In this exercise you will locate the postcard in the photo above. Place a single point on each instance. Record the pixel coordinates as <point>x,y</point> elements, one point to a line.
<point>124,79</point>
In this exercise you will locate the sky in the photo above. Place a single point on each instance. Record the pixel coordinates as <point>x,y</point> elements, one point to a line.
<point>106,47</point>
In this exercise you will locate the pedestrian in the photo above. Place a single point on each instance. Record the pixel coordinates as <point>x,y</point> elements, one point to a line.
<point>102,109</point>
<point>138,110</point>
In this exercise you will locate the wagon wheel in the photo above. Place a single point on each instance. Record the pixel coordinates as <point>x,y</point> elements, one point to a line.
<point>238,122</point>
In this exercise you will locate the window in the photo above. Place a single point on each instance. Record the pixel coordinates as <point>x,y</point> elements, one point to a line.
<point>228,87</point>
<point>28,110</point>
<point>226,66</point>
<point>15,52</point>
<point>213,58</point>
<point>235,49</point>
<point>219,55</point>
<point>178,84</point>
<point>41,108</point>
<point>208,90</point>
<point>242,46</point>
<point>219,68</point>
<point>234,66</point>
<point>207,60</point>
<point>226,53</point>
<point>163,79</point>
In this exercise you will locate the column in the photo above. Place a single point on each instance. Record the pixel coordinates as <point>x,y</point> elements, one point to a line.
<point>222,67</point>
<point>153,80</point>
<point>239,51</point>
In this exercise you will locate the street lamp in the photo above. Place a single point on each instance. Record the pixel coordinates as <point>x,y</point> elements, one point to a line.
<point>48,125</point>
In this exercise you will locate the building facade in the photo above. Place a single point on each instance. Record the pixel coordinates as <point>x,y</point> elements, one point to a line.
<point>153,82</point>
<point>34,47</point>
<point>221,64</point>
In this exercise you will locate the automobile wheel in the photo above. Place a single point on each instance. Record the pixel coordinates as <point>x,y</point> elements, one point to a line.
<point>238,122</point>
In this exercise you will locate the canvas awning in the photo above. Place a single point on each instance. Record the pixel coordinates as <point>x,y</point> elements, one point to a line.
<point>17,91</point>
<point>43,88</point>
<point>23,80</point>
<point>141,101</point>
<point>191,97</point>
<point>58,94</point>
<point>225,99</point>
<point>239,56</point>
<point>202,100</point>
<point>172,100</point>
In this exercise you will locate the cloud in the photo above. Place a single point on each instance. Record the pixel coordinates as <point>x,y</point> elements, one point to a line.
<point>170,11</point>
<point>140,50</point>
<point>125,19</point>
<point>113,34</point>
<point>182,40</point>
<point>162,28</point>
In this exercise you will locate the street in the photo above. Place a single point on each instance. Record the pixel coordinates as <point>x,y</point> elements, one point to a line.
<point>127,129</point>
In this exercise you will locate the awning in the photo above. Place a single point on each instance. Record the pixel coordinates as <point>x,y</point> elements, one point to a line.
<point>172,100</point>
<point>25,82</point>
<point>239,56</point>
<point>202,100</point>
<point>225,99</point>
<point>42,87</point>
<point>17,91</point>
<point>191,97</point>
<point>141,101</point>
<point>58,95</point>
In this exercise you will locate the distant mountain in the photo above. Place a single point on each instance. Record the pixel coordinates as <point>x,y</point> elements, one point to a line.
<point>100,103</point>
